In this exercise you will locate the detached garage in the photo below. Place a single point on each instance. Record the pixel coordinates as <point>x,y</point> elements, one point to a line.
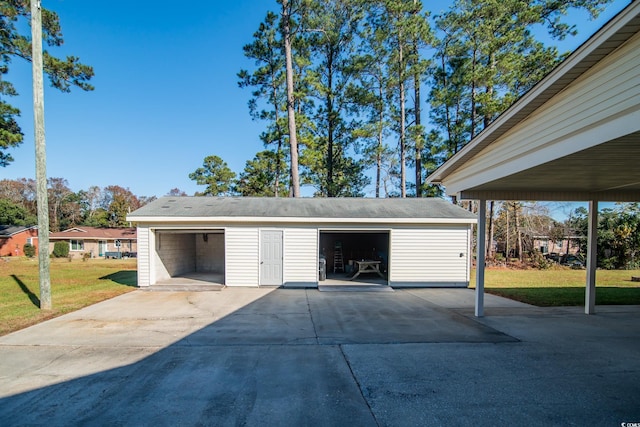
<point>295,241</point>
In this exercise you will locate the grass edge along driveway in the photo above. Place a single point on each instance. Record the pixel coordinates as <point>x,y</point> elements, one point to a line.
<point>561,286</point>
<point>74,284</point>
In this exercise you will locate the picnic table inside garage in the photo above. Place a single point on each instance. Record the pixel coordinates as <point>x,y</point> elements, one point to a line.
<point>367,266</point>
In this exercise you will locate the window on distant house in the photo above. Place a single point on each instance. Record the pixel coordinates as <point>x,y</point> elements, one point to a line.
<point>77,245</point>
<point>30,240</point>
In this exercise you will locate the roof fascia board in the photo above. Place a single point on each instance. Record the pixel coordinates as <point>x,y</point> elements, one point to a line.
<point>294,220</point>
<point>22,230</point>
<point>470,177</point>
<point>560,196</point>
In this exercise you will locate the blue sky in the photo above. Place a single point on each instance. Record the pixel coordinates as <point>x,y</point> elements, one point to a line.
<point>166,92</point>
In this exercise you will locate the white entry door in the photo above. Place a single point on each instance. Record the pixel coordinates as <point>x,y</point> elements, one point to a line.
<point>271,258</point>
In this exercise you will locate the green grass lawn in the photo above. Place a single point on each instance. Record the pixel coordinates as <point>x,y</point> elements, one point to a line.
<point>561,286</point>
<point>74,285</point>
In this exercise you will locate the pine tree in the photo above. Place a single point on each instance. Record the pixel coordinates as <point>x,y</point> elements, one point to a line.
<point>289,9</point>
<point>262,176</point>
<point>268,80</point>
<point>487,57</point>
<point>329,159</point>
<point>63,73</point>
<point>216,175</point>
<point>405,28</point>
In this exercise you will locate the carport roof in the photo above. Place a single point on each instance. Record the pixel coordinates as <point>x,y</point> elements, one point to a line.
<point>300,209</point>
<point>596,160</point>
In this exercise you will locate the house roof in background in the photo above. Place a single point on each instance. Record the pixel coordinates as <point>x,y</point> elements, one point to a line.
<point>7,231</point>
<point>95,233</point>
<point>257,209</point>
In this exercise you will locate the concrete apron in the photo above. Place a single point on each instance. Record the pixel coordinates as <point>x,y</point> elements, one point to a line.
<point>301,357</point>
<point>193,282</point>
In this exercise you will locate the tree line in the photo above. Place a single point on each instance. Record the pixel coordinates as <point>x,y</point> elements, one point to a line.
<point>519,228</point>
<point>522,232</point>
<point>382,92</point>
<point>94,207</point>
<point>351,92</point>
<point>618,235</point>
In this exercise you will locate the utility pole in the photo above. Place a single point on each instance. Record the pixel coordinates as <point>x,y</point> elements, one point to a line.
<point>41,158</point>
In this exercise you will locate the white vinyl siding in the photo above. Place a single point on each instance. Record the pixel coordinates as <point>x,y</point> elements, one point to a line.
<point>429,256</point>
<point>144,266</point>
<point>242,252</point>
<point>301,257</point>
<point>599,106</point>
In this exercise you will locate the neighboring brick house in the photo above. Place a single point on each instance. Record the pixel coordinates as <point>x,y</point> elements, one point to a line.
<point>14,237</point>
<point>564,246</point>
<point>97,242</point>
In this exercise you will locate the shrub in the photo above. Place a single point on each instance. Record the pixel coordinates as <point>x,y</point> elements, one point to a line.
<point>632,265</point>
<point>29,250</point>
<point>537,260</point>
<point>61,250</point>
<point>608,263</point>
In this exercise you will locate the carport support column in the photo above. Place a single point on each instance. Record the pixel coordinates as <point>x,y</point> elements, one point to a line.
<point>592,251</point>
<point>480,256</point>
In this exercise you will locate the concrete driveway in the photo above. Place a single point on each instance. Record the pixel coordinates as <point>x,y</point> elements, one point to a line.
<point>296,357</point>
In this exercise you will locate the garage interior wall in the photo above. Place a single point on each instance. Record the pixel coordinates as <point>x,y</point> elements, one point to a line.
<point>175,255</point>
<point>178,254</point>
<point>210,252</point>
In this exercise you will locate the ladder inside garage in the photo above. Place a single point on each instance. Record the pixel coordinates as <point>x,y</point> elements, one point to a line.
<point>338,262</point>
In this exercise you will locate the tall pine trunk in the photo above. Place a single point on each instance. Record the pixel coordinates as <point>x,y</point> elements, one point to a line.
<point>274,86</point>
<point>401,89</point>
<point>417,111</point>
<point>472,119</point>
<point>490,227</point>
<point>418,153</point>
<point>291,116</point>
<point>380,147</point>
<point>331,191</point>
<point>516,219</point>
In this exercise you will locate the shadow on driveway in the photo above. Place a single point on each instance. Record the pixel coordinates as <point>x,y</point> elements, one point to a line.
<point>303,357</point>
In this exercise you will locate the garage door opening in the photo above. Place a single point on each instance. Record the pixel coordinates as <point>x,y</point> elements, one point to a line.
<point>190,257</point>
<point>355,257</point>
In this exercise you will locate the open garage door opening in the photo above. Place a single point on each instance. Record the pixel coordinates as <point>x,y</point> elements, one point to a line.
<point>189,257</point>
<point>355,256</point>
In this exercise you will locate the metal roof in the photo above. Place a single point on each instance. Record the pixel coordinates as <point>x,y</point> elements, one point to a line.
<point>259,208</point>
